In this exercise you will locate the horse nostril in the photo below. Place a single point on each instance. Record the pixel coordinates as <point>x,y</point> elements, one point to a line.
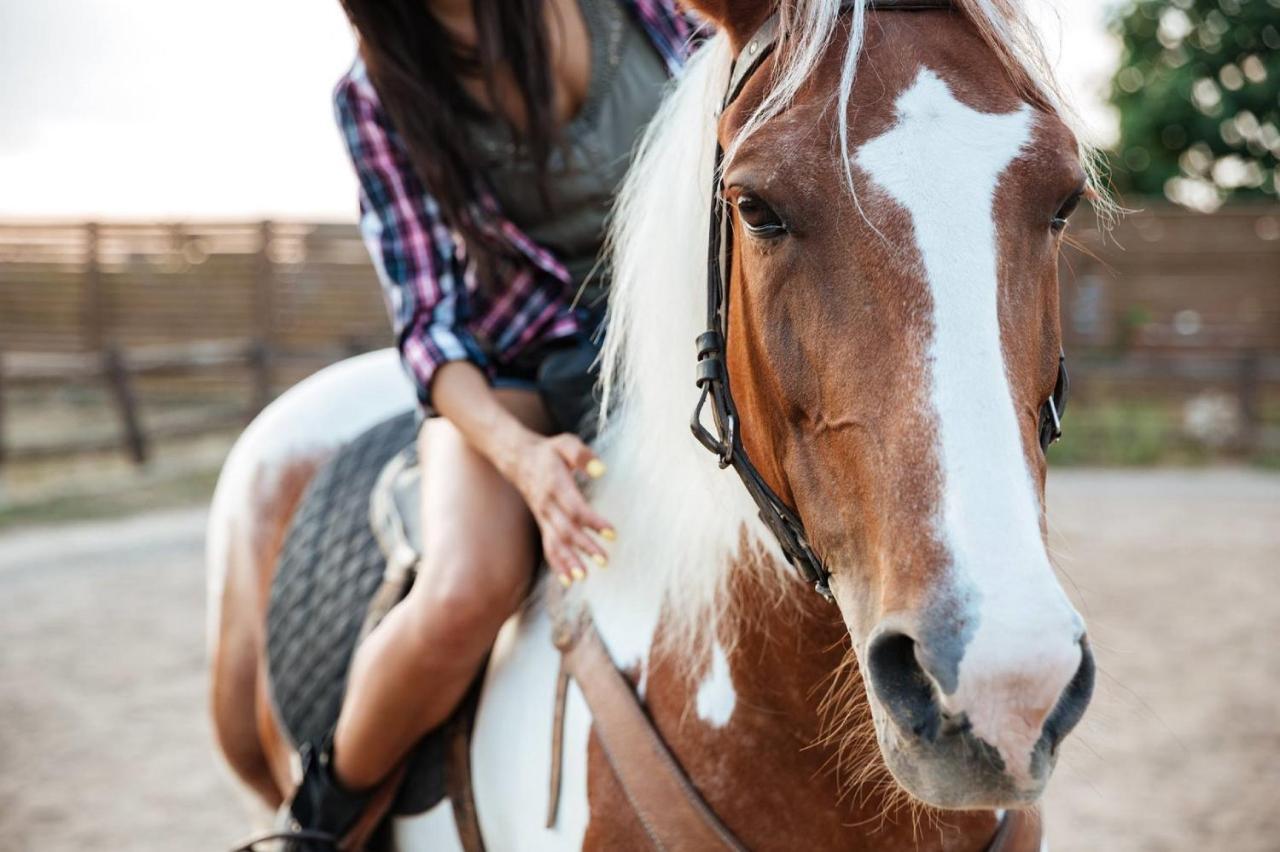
<point>1074,699</point>
<point>903,687</point>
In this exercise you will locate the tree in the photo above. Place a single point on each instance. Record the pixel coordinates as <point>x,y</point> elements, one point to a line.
<point>1198,92</point>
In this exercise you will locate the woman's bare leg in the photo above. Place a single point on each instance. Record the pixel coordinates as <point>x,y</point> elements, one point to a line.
<point>480,543</point>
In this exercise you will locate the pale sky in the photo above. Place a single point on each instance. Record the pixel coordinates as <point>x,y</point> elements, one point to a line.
<point>164,109</point>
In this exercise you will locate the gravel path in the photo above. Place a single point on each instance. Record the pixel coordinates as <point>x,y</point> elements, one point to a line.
<point>105,743</point>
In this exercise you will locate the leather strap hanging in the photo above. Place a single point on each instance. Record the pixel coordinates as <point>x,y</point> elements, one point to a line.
<point>668,806</point>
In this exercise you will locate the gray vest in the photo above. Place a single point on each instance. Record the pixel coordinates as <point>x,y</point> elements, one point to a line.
<point>586,170</point>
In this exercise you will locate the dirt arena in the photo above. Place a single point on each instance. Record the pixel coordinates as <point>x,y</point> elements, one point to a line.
<point>105,743</point>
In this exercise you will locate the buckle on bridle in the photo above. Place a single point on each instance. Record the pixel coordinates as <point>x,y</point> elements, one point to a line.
<point>1057,420</point>
<point>726,425</point>
<point>710,377</point>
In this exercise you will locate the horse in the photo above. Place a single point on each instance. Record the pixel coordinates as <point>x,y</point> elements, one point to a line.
<point>896,185</point>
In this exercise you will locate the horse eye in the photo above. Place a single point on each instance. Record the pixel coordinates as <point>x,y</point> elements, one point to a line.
<point>758,218</point>
<point>1068,207</point>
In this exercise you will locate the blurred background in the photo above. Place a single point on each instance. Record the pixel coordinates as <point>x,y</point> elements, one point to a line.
<point>178,245</point>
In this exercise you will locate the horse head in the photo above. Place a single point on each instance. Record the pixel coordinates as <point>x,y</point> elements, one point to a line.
<point>896,189</point>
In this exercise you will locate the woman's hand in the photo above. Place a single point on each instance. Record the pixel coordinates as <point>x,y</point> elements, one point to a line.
<point>542,470</point>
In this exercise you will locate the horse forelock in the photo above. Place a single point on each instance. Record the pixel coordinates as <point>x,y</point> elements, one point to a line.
<point>809,26</point>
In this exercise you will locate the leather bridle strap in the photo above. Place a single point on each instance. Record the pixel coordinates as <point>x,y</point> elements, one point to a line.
<point>1050,428</point>
<point>712,376</point>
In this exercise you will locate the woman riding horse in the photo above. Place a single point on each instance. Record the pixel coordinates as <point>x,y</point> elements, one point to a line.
<point>489,137</point>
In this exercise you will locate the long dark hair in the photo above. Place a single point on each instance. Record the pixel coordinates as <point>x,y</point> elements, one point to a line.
<point>416,68</point>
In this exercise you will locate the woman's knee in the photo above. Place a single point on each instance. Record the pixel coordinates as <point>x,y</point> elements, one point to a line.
<point>459,600</point>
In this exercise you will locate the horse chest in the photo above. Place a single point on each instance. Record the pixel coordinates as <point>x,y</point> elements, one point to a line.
<point>745,725</point>
<point>766,761</point>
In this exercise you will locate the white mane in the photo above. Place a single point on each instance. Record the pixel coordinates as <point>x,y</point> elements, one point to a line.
<point>684,516</point>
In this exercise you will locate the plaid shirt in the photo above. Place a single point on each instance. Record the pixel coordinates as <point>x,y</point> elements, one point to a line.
<point>437,311</point>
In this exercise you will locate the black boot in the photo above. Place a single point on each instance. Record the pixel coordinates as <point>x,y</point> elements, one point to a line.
<point>322,811</point>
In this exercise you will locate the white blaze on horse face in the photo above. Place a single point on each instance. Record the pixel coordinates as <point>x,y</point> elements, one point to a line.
<point>1017,648</point>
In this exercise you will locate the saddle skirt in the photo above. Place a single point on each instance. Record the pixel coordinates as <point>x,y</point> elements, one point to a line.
<point>348,557</point>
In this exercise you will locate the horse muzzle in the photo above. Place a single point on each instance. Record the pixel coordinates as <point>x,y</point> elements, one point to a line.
<point>966,739</point>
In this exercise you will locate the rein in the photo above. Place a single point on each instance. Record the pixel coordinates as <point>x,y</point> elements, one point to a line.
<point>712,376</point>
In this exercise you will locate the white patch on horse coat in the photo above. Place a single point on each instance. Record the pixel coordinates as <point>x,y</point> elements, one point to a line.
<point>716,696</point>
<point>511,749</point>
<point>435,830</point>
<point>943,161</point>
<point>322,411</point>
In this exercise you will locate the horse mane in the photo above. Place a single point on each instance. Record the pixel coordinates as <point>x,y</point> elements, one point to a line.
<point>688,521</point>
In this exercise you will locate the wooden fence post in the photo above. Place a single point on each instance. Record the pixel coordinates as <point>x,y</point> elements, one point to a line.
<point>264,320</point>
<point>1248,388</point>
<point>116,373</point>
<point>2,413</point>
<point>95,302</point>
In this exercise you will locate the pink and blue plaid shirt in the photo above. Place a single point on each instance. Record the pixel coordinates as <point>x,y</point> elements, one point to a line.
<point>437,311</point>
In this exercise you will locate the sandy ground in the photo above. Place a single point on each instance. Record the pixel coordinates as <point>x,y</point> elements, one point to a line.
<point>104,741</point>
<point>1178,575</point>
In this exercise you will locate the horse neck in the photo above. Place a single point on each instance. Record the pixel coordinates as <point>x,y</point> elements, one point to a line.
<point>782,748</point>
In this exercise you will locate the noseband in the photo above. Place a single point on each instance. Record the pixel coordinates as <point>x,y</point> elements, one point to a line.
<point>712,375</point>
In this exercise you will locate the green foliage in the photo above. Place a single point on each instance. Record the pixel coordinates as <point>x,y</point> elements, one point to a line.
<point>1198,92</point>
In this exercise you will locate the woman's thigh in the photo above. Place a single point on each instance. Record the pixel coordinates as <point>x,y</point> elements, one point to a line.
<point>480,543</point>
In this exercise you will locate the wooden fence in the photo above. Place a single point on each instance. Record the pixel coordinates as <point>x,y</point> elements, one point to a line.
<point>1169,281</point>
<point>1173,298</point>
<point>76,288</point>
<point>109,304</point>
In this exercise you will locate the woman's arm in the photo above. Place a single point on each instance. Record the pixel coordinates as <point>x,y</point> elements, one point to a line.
<point>423,284</point>
<point>412,250</point>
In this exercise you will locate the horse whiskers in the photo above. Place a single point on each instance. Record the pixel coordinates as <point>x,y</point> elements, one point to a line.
<point>849,731</point>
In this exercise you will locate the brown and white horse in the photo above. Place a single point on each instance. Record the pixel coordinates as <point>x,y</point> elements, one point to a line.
<point>895,180</point>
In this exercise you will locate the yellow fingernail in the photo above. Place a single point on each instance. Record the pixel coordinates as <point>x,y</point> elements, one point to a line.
<point>595,468</point>
<point>608,534</point>
<point>579,574</point>
<point>564,581</point>
<point>600,560</point>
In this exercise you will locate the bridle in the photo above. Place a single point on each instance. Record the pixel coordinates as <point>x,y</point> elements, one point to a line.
<point>712,375</point>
